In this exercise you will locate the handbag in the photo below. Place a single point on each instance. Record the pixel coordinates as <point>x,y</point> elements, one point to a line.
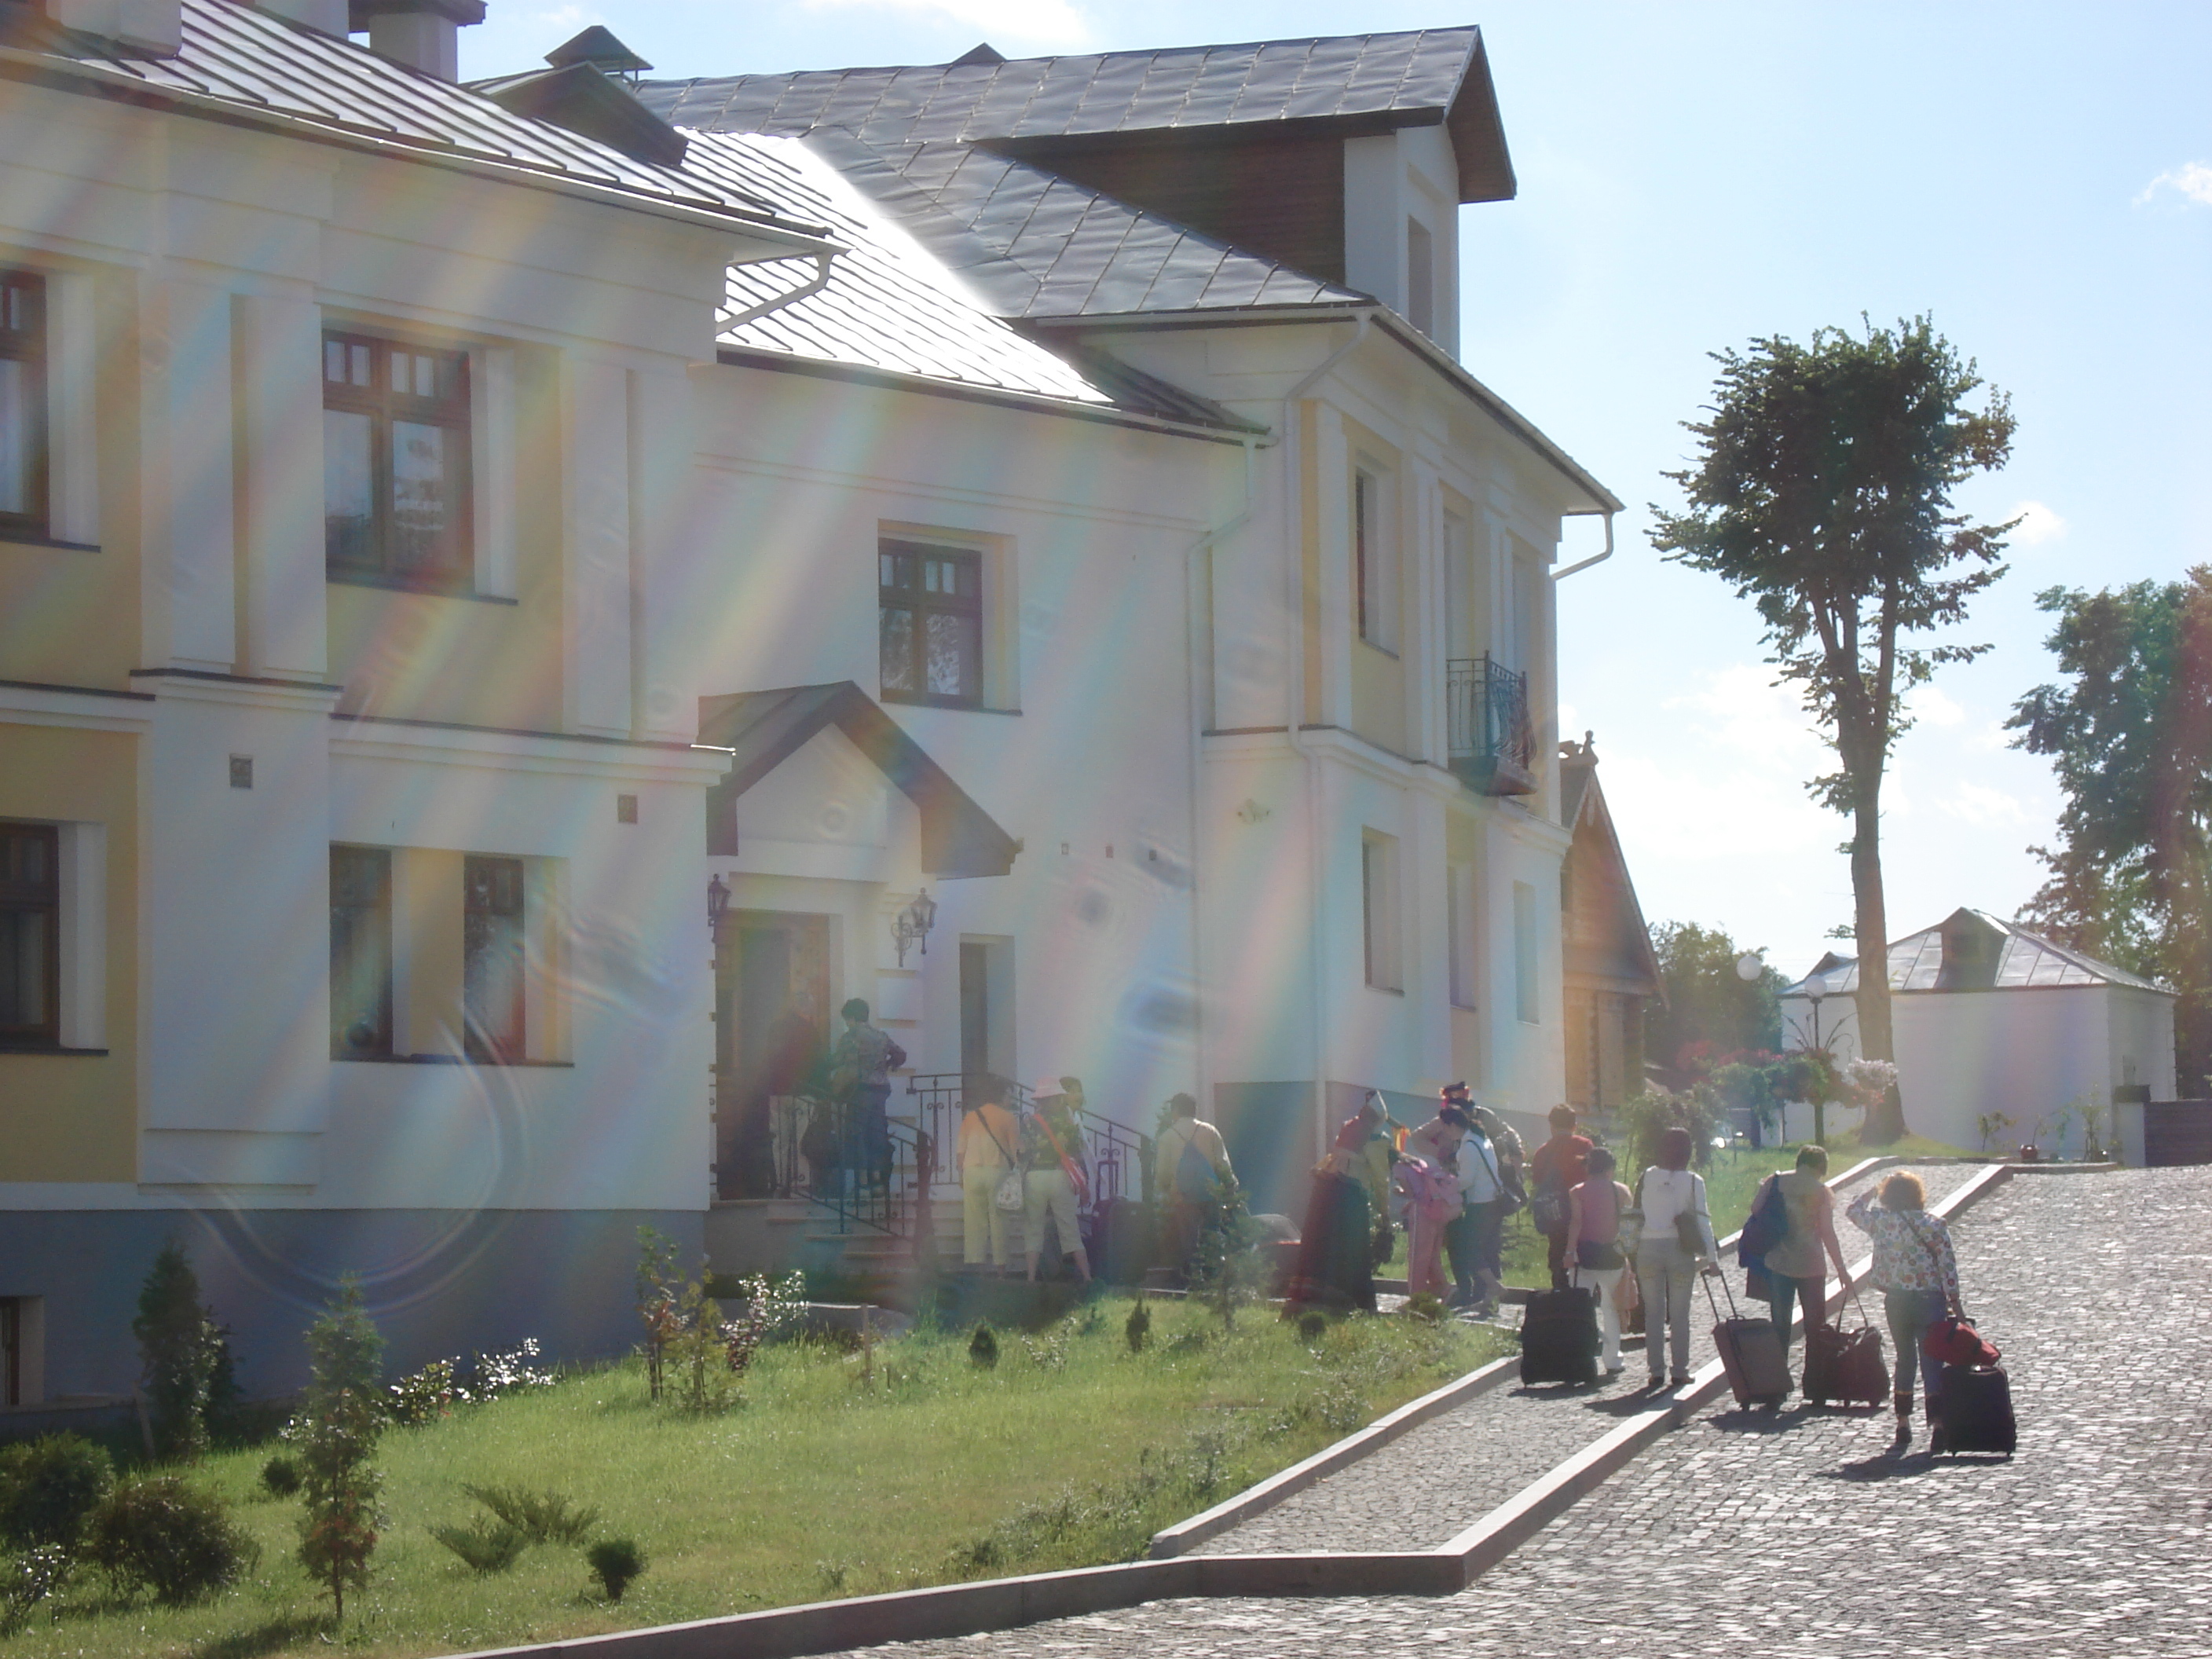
<point>1952,1338</point>
<point>1687,1233</point>
<point>1600,1256</point>
<point>1068,1165</point>
<point>1011,1193</point>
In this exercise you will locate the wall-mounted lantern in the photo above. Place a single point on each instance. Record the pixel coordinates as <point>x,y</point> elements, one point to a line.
<point>718,900</point>
<point>912,925</point>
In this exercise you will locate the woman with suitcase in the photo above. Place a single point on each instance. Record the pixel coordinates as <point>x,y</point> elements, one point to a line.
<point>1918,1274</point>
<point>1594,1260</point>
<point>1678,1234</point>
<point>1793,1262</point>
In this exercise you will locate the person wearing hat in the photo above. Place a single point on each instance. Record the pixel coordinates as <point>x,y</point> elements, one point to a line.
<point>1473,1239</point>
<point>1190,1164</point>
<point>1052,1170</point>
<point>1351,1187</point>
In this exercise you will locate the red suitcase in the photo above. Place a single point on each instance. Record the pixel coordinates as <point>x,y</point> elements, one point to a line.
<point>1841,1364</point>
<point>1751,1352</point>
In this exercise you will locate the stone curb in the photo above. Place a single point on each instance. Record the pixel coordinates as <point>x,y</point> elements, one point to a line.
<point>1174,1541</point>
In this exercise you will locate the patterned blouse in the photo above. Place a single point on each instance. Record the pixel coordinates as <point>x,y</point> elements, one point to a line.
<point>1912,1248</point>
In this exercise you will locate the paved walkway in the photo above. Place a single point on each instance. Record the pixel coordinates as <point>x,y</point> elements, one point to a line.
<point>1446,1476</point>
<point>1790,1535</point>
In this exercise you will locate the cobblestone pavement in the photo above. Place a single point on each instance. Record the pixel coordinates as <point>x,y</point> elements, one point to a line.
<point>1467,1462</point>
<point>1791,1534</point>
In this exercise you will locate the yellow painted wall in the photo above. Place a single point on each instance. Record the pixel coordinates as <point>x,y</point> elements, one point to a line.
<point>1378,696</point>
<point>70,1117</point>
<point>427,929</point>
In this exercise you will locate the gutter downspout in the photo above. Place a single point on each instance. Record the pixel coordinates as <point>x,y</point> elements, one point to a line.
<point>1597,558</point>
<point>819,281</point>
<point>1198,612</point>
<point>1294,520</point>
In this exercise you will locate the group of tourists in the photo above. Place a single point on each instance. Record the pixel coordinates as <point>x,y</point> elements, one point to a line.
<point>1030,1164</point>
<point>1455,1178</point>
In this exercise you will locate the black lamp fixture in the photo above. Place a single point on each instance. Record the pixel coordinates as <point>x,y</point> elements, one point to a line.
<point>912,925</point>
<point>718,900</point>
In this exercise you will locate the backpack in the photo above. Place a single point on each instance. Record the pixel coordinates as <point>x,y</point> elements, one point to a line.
<point>1195,1181</point>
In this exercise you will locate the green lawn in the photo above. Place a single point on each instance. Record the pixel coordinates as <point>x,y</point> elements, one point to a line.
<point>1071,1451</point>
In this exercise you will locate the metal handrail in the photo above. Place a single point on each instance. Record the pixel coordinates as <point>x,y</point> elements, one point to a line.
<point>1486,712</point>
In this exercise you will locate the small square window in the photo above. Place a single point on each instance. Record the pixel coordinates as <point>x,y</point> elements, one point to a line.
<point>625,809</point>
<point>242,771</point>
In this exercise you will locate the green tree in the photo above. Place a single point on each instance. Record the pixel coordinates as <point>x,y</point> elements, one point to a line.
<point>341,1415</point>
<point>1822,491</point>
<point>2130,736</point>
<point>1707,1000</point>
<point>181,1349</point>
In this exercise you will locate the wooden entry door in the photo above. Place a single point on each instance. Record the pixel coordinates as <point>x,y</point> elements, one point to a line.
<point>771,1036</point>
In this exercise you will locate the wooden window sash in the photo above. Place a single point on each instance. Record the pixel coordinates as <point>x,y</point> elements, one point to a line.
<point>903,569</point>
<point>23,342</point>
<point>361,925</point>
<point>37,897</point>
<point>448,409</point>
<point>494,955</point>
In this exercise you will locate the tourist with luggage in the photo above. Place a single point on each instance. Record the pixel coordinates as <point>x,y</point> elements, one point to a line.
<point>1190,1171</point>
<point>1352,1189</point>
<point>1794,1265</point>
<point>1594,1248</point>
<point>1678,1236</point>
<point>1560,1165</point>
<point>1428,1174</point>
<point>1917,1271</point>
<point>991,1187</point>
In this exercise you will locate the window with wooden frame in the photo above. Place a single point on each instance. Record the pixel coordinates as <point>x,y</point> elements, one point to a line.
<point>396,476</point>
<point>1378,905</point>
<point>931,602</point>
<point>361,953</point>
<point>23,404</point>
<point>30,936</point>
<point>493,959</point>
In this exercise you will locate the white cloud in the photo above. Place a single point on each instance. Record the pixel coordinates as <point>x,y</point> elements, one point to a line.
<point>2037,524</point>
<point>1026,22</point>
<point>1930,706</point>
<point>1983,808</point>
<point>2192,179</point>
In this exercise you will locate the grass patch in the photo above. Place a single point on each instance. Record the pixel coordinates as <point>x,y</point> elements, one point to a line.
<point>816,1485</point>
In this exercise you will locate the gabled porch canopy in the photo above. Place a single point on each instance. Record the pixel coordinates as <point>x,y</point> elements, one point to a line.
<point>766,728</point>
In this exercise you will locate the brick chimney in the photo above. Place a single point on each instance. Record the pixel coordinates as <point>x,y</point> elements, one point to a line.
<point>423,34</point>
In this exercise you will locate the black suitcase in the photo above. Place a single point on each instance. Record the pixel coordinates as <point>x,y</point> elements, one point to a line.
<point>1974,1413</point>
<point>1559,1337</point>
<point>1122,1245</point>
<point>1750,1351</point>
<point>1841,1364</point>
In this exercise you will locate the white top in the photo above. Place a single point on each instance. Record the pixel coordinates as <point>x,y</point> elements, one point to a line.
<point>1477,1171</point>
<point>1665,1194</point>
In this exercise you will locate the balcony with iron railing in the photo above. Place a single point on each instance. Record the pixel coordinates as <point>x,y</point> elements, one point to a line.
<point>1489,740</point>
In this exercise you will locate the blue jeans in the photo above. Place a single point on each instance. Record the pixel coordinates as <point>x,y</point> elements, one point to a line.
<point>1474,1240</point>
<point>1910,1313</point>
<point>1810,1294</point>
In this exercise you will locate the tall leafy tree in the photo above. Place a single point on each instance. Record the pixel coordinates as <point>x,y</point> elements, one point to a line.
<point>2130,736</point>
<point>1707,1000</point>
<point>1822,492</point>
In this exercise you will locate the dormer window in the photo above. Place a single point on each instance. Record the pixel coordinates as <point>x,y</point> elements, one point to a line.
<point>23,404</point>
<point>396,507</point>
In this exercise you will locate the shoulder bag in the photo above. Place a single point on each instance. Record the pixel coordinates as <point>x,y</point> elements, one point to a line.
<point>1687,1233</point>
<point>1951,1339</point>
<point>1073,1171</point>
<point>1010,1194</point>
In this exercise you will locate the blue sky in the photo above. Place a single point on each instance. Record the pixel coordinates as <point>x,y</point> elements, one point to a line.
<point>2038,179</point>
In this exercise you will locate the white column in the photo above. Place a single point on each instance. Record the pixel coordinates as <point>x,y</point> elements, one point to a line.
<point>1331,538</point>
<point>596,547</point>
<point>279,388</point>
<point>186,566</point>
<point>492,468</point>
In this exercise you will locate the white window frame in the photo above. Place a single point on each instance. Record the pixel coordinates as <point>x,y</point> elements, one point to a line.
<point>1378,599</point>
<point>1382,932</point>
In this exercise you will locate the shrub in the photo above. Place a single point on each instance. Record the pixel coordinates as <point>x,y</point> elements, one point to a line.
<point>280,1476</point>
<point>1313,1325</point>
<point>541,1517</point>
<point>1649,1115</point>
<point>181,1349</point>
<point>615,1562</point>
<point>50,1488</point>
<point>423,1398</point>
<point>27,1580</point>
<point>169,1537</point>
<point>487,1545</point>
<point>342,1414</point>
<point>659,1284</point>
<point>492,1375</point>
<point>983,1348</point>
<point>1138,1328</point>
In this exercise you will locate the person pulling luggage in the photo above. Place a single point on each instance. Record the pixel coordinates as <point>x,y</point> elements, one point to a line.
<point>1678,1238</point>
<point>1917,1271</point>
<point>1793,1262</point>
<point>1594,1246</point>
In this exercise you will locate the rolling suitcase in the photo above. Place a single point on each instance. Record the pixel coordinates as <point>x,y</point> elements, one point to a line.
<point>1975,1411</point>
<point>1751,1352</point>
<point>1846,1365</point>
<point>1559,1337</point>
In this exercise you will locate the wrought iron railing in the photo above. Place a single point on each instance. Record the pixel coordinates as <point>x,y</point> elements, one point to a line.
<point>1488,730</point>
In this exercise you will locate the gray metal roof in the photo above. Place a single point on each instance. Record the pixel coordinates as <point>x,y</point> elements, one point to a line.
<point>1365,82</point>
<point>240,62</point>
<point>1039,246</point>
<point>889,304</point>
<point>1973,951</point>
